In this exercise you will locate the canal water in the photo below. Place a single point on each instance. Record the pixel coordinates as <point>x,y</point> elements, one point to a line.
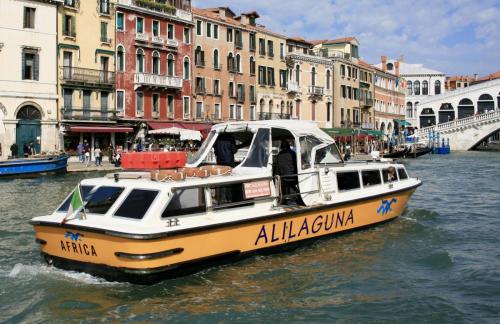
<point>439,262</point>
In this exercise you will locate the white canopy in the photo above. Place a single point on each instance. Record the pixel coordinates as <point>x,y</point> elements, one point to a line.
<point>185,134</point>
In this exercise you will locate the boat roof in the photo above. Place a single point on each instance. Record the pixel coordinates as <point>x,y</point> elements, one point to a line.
<point>296,127</point>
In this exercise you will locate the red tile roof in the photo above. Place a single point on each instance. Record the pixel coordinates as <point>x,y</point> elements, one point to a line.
<point>334,41</point>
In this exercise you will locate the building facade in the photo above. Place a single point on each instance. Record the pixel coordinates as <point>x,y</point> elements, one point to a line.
<point>389,99</point>
<point>86,77</point>
<point>272,73</point>
<point>421,83</point>
<point>309,83</point>
<point>28,82</point>
<point>224,72</point>
<point>352,98</point>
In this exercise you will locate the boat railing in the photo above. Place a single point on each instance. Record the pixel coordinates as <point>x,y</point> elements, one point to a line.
<point>279,190</point>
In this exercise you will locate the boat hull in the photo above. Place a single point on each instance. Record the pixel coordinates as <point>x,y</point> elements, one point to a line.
<point>147,259</point>
<point>33,166</point>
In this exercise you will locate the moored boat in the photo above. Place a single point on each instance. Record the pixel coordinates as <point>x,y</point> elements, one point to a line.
<point>146,226</point>
<point>34,166</point>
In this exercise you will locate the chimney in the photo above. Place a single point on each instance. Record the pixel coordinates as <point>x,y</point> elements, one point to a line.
<point>222,13</point>
<point>396,66</point>
<point>383,58</point>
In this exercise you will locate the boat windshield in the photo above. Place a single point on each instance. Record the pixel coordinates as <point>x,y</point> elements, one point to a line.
<point>327,155</point>
<point>198,155</point>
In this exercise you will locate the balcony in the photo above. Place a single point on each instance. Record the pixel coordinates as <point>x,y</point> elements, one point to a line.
<point>89,77</point>
<point>159,8</point>
<point>316,91</point>
<point>141,37</point>
<point>157,40</point>
<point>365,102</point>
<point>88,114</point>
<point>200,91</point>
<point>106,40</point>
<point>293,87</point>
<point>157,81</point>
<point>172,43</point>
<point>273,116</point>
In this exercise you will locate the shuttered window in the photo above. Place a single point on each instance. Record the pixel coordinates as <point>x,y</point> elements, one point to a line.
<point>30,65</point>
<point>29,17</point>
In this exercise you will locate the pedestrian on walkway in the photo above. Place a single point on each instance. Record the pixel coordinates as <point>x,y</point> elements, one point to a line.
<point>80,150</point>
<point>87,156</point>
<point>97,156</point>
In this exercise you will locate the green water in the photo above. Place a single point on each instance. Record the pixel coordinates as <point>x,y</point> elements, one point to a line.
<point>439,262</point>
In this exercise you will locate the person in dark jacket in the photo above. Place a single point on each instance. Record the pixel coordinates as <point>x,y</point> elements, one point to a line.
<point>225,148</point>
<point>287,169</point>
<point>13,150</point>
<point>26,150</point>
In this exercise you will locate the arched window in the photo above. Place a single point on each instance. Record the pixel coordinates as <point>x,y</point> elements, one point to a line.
<point>230,62</point>
<point>313,76</point>
<point>187,69</point>
<point>297,74</point>
<point>139,65</point>
<point>262,105</point>
<point>409,110</point>
<point>271,103</point>
<point>427,117</point>
<point>170,65</point>
<point>252,65</point>
<point>437,87</point>
<point>29,113</point>
<point>216,59</point>
<point>485,103</point>
<point>120,58</point>
<point>328,77</point>
<point>417,88</point>
<point>238,62</point>
<point>409,86</point>
<point>425,88</point>
<point>156,62</point>
<point>446,113</point>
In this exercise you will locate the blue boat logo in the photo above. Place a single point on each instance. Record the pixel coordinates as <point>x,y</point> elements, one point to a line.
<point>385,206</point>
<point>73,236</point>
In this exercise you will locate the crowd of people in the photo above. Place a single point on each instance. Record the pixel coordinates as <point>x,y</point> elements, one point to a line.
<point>85,157</point>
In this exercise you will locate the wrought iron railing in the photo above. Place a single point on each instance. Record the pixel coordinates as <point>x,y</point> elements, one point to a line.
<point>74,74</point>
<point>91,113</point>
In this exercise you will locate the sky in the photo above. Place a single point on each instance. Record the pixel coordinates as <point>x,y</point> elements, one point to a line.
<point>457,37</point>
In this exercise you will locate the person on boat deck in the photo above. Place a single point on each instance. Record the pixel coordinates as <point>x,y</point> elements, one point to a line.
<point>225,148</point>
<point>391,174</point>
<point>287,169</point>
<point>13,150</point>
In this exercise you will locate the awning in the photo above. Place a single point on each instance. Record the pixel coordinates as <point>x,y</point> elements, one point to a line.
<point>339,131</point>
<point>204,128</point>
<point>97,129</point>
<point>185,134</point>
<point>402,122</point>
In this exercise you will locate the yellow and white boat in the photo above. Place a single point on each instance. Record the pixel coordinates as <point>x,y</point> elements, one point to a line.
<point>143,227</point>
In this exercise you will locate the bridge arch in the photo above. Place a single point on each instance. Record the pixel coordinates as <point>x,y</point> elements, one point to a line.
<point>427,117</point>
<point>465,108</point>
<point>446,113</point>
<point>485,103</point>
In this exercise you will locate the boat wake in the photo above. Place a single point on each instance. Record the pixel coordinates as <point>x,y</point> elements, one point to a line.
<point>23,271</point>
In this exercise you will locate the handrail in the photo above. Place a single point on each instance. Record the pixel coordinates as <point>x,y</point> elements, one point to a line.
<point>459,122</point>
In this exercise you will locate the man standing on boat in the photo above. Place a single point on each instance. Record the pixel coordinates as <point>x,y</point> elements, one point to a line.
<point>287,169</point>
<point>225,148</point>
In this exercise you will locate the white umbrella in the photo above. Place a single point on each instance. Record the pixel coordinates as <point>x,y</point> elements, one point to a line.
<point>185,134</point>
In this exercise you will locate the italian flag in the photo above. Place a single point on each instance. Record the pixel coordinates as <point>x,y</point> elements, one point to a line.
<point>75,204</point>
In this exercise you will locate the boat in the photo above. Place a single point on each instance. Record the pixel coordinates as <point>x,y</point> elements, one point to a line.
<point>34,166</point>
<point>399,153</point>
<point>147,226</point>
<point>419,150</point>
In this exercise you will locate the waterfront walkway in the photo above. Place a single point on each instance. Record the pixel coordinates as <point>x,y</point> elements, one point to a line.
<point>81,167</point>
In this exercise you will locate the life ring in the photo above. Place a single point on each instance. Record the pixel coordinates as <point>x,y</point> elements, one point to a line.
<point>189,172</point>
<point>167,175</point>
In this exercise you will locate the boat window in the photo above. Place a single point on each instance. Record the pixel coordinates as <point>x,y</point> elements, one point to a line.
<point>102,199</point>
<point>258,156</point>
<point>136,204</point>
<point>392,178</point>
<point>307,143</point>
<point>227,196</point>
<point>85,194</point>
<point>371,178</point>
<point>184,202</point>
<point>203,148</point>
<point>328,155</point>
<point>348,180</point>
<point>402,174</point>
